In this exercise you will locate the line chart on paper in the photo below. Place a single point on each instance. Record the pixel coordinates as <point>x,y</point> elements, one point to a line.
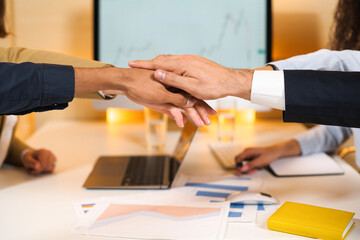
<point>120,212</point>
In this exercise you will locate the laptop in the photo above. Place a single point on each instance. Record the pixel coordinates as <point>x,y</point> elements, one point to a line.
<point>141,172</point>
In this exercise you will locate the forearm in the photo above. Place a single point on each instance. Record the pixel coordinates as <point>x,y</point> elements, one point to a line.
<point>289,148</point>
<point>90,80</point>
<point>322,139</point>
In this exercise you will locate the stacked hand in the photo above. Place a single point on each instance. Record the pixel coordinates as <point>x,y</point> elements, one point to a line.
<point>200,77</point>
<point>141,87</point>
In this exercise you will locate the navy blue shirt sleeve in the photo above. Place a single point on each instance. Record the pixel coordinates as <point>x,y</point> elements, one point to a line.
<point>30,87</point>
<point>322,97</point>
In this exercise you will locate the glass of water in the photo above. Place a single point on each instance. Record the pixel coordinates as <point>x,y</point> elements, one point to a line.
<point>156,126</point>
<point>226,119</point>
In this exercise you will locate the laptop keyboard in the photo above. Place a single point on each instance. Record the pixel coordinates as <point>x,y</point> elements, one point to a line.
<point>226,152</point>
<point>144,171</point>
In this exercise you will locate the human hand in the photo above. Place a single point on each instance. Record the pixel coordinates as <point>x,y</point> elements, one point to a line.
<point>263,156</point>
<point>141,87</point>
<point>200,77</point>
<point>198,113</point>
<point>39,161</point>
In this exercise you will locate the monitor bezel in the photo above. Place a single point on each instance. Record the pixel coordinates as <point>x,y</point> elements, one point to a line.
<point>96,36</point>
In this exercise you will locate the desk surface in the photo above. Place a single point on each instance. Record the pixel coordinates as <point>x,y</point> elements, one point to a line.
<point>41,207</point>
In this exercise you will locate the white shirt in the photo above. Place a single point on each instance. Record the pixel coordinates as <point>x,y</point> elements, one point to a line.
<point>6,136</point>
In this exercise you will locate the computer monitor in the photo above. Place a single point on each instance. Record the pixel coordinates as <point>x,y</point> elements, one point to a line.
<point>233,33</point>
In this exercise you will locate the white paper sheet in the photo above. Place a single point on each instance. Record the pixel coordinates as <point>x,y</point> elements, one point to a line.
<point>315,164</point>
<point>215,189</point>
<point>124,218</point>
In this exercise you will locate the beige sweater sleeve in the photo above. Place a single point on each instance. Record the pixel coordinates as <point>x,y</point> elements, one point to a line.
<point>19,55</point>
<point>16,148</point>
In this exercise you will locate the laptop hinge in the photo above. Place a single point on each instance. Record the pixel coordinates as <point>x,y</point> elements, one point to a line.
<point>166,171</point>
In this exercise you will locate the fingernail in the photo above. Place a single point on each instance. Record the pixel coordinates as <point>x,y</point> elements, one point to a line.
<point>131,62</point>
<point>201,123</point>
<point>160,74</point>
<point>245,168</point>
<point>190,102</point>
<point>180,123</point>
<point>207,120</point>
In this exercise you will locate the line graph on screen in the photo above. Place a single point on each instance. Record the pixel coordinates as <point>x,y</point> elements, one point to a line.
<point>234,32</point>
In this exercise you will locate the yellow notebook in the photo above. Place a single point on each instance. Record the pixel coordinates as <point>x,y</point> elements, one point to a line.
<point>311,221</point>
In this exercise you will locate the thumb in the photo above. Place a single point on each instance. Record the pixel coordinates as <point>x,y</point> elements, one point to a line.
<point>175,80</point>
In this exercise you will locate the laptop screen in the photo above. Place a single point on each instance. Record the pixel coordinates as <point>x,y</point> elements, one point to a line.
<point>186,137</point>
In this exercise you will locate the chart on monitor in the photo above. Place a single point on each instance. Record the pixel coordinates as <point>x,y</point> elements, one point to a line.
<point>233,33</point>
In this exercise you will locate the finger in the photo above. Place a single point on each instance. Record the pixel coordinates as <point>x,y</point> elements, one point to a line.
<point>200,108</point>
<point>255,163</point>
<point>30,163</point>
<point>51,159</point>
<point>178,116</point>
<point>194,115</point>
<point>208,109</point>
<point>178,99</point>
<point>169,109</point>
<point>167,62</point>
<point>146,64</point>
<point>248,153</point>
<point>46,160</point>
<point>172,79</point>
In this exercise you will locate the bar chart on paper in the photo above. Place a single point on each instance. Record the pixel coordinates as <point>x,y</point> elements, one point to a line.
<point>208,189</point>
<point>155,221</point>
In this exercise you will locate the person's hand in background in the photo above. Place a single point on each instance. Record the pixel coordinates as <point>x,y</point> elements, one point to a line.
<point>200,77</point>
<point>263,156</point>
<point>39,161</point>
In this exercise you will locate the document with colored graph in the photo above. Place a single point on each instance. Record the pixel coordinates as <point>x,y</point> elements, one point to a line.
<point>206,221</point>
<point>216,189</point>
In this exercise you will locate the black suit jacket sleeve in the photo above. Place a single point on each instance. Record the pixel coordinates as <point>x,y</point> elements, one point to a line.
<point>29,87</point>
<point>323,97</point>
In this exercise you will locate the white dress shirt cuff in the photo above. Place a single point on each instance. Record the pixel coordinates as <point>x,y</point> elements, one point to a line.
<point>106,96</point>
<point>268,89</point>
<point>24,152</point>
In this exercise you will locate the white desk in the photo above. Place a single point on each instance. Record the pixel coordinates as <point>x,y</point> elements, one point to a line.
<point>41,207</point>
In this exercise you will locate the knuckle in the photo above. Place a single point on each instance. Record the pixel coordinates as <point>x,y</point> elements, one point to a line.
<point>160,57</point>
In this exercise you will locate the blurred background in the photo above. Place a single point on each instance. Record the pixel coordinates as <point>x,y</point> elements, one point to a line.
<point>66,26</point>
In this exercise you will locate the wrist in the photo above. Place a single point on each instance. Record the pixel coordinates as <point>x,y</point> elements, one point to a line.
<point>25,152</point>
<point>96,79</point>
<point>290,148</point>
<point>242,83</point>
